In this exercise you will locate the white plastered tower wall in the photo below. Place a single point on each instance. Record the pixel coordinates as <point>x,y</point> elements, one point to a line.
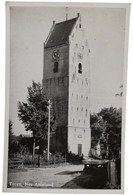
<point>67,87</point>
<point>79,133</point>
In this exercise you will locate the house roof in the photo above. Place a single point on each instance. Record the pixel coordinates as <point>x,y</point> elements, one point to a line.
<point>60,33</point>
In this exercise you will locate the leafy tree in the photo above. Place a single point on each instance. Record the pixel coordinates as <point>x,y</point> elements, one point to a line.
<point>25,144</point>
<point>34,113</point>
<point>98,127</point>
<point>10,131</point>
<point>106,128</point>
<point>13,143</point>
<point>113,118</point>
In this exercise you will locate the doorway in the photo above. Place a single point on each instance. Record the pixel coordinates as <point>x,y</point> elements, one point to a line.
<point>80,149</point>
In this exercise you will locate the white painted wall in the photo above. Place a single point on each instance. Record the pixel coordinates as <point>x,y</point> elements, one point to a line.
<point>79,91</point>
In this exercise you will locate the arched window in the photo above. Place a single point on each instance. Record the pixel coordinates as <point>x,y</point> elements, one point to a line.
<point>55,67</point>
<point>80,68</point>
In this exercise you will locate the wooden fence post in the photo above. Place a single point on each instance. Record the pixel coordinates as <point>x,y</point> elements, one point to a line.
<point>112,173</point>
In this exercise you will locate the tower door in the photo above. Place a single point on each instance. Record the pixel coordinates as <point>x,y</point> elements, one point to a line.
<point>80,149</point>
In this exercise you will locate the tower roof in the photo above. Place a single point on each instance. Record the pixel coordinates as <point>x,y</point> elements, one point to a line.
<point>60,33</point>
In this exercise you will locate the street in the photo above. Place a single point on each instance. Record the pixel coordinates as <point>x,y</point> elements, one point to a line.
<point>55,177</point>
<point>63,176</point>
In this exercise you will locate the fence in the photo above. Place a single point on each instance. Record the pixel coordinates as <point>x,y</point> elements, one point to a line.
<point>52,161</point>
<point>15,164</point>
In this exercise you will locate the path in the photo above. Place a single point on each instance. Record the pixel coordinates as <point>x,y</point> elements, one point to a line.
<point>44,177</point>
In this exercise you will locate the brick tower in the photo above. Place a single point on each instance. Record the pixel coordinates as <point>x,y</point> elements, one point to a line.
<point>66,83</point>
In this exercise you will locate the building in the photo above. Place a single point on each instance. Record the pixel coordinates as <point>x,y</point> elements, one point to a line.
<point>66,82</point>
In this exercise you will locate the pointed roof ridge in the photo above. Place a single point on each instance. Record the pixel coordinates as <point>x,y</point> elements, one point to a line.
<point>66,20</point>
<point>61,32</point>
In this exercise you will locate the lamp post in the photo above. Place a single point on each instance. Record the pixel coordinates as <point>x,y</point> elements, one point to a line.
<point>49,106</point>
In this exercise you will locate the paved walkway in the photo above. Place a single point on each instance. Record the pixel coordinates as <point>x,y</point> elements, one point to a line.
<point>56,177</point>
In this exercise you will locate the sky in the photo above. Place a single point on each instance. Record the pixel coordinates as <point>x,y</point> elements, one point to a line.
<point>105,30</point>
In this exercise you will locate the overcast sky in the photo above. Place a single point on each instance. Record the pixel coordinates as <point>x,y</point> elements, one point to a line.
<point>29,27</point>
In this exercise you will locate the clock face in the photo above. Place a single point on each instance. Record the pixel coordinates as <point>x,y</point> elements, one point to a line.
<point>56,55</point>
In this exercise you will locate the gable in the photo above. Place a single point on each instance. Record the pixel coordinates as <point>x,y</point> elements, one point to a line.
<point>61,33</point>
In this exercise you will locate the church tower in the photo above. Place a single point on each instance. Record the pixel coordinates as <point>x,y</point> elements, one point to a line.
<point>66,82</point>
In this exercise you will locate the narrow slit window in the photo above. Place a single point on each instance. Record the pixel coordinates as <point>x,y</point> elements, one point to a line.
<point>55,67</point>
<point>80,68</point>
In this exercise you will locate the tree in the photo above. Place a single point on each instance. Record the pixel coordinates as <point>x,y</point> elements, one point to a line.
<point>13,143</point>
<point>98,127</point>
<point>113,118</point>
<point>34,113</point>
<point>106,128</point>
<point>10,139</point>
<point>10,131</point>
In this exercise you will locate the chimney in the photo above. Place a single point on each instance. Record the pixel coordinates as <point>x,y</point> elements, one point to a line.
<point>53,22</point>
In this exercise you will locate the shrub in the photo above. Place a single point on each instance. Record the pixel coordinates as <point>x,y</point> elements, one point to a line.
<point>28,160</point>
<point>53,159</point>
<point>74,158</point>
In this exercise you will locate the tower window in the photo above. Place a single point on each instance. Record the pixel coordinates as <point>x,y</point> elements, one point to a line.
<point>79,25</point>
<point>55,67</point>
<point>80,68</point>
